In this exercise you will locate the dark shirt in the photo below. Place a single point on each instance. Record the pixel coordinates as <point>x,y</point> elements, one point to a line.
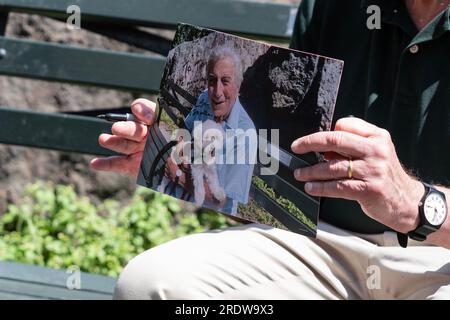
<point>396,78</point>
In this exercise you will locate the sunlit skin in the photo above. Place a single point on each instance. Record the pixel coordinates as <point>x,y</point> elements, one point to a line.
<point>223,88</point>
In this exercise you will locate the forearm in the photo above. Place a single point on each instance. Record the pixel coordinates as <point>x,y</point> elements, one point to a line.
<point>442,236</point>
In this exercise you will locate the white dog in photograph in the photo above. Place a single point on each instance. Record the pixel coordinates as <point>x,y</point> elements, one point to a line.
<point>212,140</point>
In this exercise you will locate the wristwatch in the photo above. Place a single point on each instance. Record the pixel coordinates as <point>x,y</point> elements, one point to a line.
<point>432,213</point>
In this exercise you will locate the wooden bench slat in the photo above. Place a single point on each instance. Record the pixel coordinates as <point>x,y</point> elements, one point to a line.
<point>37,275</point>
<point>239,16</point>
<point>102,68</point>
<point>50,292</point>
<point>54,131</point>
<point>17,296</point>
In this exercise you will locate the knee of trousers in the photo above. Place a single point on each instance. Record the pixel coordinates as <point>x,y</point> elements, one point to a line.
<point>163,272</point>
<point>138,280</point>
<point>147,276</point>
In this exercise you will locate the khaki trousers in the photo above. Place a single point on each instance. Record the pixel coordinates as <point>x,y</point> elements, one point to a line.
<point>259,262</point>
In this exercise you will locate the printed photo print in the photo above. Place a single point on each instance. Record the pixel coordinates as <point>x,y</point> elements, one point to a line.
<point>229,110</point>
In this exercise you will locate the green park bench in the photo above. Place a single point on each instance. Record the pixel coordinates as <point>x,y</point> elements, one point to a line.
<point>119,20</point>
<point>20,282</point>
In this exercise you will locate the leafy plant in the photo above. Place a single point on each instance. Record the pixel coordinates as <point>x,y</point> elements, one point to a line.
<point>285,203</point>
<point>54,227</point>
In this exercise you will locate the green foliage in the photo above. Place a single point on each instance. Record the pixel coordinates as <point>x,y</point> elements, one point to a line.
<point>253,211</point>
<point>54,227</point>
<point>165,118</point>
<point>285,203</point>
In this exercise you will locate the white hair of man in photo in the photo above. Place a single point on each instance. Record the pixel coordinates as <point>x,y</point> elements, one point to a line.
<point>221,53</point>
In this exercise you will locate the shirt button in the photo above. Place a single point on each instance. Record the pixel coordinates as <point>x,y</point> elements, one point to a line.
<point>414,49</point>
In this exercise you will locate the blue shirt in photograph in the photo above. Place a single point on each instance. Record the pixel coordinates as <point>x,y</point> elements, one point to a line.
<point>234,178</point>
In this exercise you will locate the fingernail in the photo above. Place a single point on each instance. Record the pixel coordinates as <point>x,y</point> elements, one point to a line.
<point>293,145</point>
<point>297,174</point>
<point>148,115</point>
<point>308,187</point>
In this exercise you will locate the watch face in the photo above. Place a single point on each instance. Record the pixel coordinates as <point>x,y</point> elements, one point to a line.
<point>435,209</point>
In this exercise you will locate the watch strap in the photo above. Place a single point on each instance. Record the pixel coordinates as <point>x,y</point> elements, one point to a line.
<point>403,238</point>
<point>421,233</point>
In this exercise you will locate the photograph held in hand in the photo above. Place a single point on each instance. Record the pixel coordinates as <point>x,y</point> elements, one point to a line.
<point>229,109</point>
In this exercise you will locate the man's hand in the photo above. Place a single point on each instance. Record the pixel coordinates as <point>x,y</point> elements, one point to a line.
<point>128,138</point>
<point>379,183</point>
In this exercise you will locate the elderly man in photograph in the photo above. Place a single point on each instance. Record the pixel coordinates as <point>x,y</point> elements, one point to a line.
<point>220,102</point>
<point>384,230</point>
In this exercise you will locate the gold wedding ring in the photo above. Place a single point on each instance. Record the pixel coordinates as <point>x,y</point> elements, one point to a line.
<point>350,168</point>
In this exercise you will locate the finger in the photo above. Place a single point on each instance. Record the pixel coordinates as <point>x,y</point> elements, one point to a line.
<point>344,189</point>
<point>331,170</point>
<point>130,130</point>
<point>120,145</point>
<point>344,143</point>
<point>357,126</point>
<point>121,164</point>
<point>328,156</point>
<point>144,110</point>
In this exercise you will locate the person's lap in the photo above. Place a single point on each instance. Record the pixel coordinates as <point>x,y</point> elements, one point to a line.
<point>259,262</point>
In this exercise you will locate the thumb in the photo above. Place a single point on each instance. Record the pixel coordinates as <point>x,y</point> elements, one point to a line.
<point>144,110</point>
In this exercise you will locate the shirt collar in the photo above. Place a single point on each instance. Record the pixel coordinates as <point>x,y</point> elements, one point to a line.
<point>233,119</point>
<point>435,29</point>
<point>444,21</point>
